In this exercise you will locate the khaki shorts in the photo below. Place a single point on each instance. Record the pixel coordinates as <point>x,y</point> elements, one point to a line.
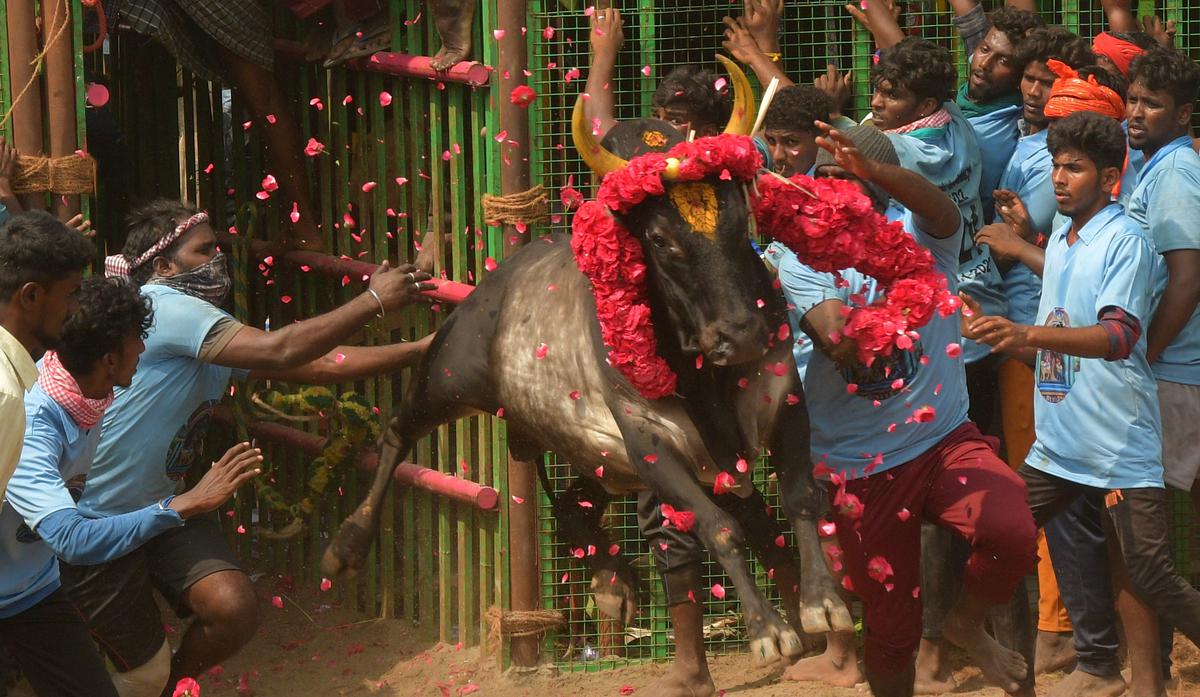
<point>1180,407</point>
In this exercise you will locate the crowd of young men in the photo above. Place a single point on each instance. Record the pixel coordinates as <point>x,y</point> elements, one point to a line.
<point>1057,189</point>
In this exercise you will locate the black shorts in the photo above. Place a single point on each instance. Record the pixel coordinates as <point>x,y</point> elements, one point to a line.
<point>117,598</point>
<point>51,644</point>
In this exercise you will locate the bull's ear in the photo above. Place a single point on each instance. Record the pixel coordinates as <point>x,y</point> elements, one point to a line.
<point>741,120</point>
<point>599,160</point>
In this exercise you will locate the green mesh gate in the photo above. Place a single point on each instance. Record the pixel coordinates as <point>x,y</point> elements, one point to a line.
<point>439,563</point>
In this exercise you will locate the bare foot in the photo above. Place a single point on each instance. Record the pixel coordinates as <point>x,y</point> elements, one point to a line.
<point>1055,651</point>
<point>1081,684</point>
<point>933,676</point>
<point>999,665</point>
<point>681,682</point>
<point>830,668</point>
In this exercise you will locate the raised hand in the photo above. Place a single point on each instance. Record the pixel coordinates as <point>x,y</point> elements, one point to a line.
<point>838,87</point>
<point>1162,32</point>
<point>845,154</point>
<point>607,34</point>
<point>761,19</point>
<point>1012,211</point>
<point>739,41</point>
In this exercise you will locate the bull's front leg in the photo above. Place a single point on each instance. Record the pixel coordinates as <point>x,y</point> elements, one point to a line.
<point>668,474</point>
<point>805,502</point>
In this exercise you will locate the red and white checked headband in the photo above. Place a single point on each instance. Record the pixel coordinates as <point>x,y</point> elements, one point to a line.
<point>118,265</point>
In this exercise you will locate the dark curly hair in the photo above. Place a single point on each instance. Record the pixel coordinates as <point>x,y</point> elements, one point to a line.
<point>1138,38</point>
<point>110,311</point>
<point>695,88</point>
<point>1167,70</point>
<point>1056,43</point>
<point>796,107</point>
<point>149,223</point>
<point>1015,24</point>
<point>35,247</point>
<point>1112,81</point>
<point>1100,138</point>
<point>919,66</point>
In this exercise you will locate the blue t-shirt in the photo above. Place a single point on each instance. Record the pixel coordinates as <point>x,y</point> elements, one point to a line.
<point>949,158</point>
<point>55,458</point>
<point>155,429</point>
<point>1097,421</point>
<point>997,132</point>
<point>849,432</point>
<point>1028,174</point>
<point>1166,204</point>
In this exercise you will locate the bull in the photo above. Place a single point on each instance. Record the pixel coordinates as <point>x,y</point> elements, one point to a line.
<point>710,296</point>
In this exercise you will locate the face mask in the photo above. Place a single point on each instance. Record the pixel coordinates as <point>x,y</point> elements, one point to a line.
<point>209,281</point>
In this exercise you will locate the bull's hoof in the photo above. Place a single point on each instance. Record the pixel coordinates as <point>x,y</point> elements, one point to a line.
<point>764,650</point>
<point>346,554</point>
<point>448,56</point>
<point>825,615</point>
<point>779,642</point>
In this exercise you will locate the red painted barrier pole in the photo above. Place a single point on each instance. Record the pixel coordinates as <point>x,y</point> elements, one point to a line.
<point>466,72</point>
<point>485,498</point>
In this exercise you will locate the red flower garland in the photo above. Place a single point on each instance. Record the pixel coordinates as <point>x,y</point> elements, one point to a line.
<point>832,228</point>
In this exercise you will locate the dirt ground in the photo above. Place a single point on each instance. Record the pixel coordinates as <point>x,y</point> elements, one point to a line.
<point>310,649</point>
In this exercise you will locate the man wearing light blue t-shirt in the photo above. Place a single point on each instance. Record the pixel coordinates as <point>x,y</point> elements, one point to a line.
<point>155,428</point>
<point>39,521</point>
<point>902,468</point>
<point>1097,421</point>
<point>1166,204</point>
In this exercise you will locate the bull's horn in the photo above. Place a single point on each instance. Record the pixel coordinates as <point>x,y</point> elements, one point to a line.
<point>597,158</point>
<point>741,120</point>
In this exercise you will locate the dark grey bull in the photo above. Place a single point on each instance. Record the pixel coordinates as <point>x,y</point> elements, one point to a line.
<point>706,292</point>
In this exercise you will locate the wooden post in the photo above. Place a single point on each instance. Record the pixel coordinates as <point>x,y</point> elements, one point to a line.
<point>60,91</point>
<point>27,115</point>
<point>514,178</point>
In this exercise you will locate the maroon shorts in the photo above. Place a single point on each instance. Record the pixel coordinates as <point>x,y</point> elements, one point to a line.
<point>959,484</point>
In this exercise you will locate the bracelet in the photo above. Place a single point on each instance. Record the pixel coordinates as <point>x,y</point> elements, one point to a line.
<point>1040,241</point>
<point>382,312</point>
<point>775,57</point>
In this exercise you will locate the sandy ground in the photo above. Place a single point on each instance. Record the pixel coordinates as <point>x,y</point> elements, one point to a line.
<point>310,649</point>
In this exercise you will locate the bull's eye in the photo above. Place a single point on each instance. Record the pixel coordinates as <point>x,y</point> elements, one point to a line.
<point>658,240</point>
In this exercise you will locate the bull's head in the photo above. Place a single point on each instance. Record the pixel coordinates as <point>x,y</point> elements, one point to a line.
<point>696,237</point>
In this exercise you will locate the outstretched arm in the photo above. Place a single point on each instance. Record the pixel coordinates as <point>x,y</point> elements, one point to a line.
<point>297,344</point>
<point>350,363</point>
<point>606,38</point>
<point>936,213</point>
<point>1120,15</point>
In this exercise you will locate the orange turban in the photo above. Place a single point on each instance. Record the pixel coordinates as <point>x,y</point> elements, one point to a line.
<point>1071,93</point>
<point>1119,51</point>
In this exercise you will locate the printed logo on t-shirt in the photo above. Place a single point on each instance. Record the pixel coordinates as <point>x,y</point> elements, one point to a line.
<point>1056,371</point>
<point>188,444</point>
<point>879,380</point>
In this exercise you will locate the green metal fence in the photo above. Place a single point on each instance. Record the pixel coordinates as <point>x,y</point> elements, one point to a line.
<point>439,563</point>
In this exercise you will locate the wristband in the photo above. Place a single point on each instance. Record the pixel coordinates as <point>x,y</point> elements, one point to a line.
<point>774,56</point>
<point>1040,241</point>
<point>382,312</point>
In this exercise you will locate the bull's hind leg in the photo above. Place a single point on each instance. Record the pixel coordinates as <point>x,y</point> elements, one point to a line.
<point>423,409</point>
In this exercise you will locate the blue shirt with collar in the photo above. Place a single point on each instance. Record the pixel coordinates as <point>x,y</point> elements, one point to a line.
<point>1166,204</point>
<point>1097,421</point>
